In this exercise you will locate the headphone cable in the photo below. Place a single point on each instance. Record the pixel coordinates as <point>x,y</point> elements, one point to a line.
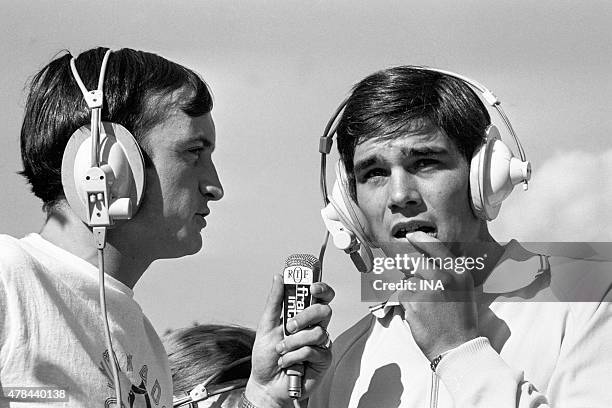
<point>100,234</point>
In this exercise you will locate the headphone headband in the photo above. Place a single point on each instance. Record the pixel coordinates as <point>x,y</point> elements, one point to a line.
<point>94,100</point>
<point>91,103</point>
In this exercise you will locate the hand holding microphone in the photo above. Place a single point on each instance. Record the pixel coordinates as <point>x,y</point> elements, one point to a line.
<point>300,272</point>
<point>303,342</point>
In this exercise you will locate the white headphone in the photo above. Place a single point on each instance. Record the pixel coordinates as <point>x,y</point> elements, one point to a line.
<point>103,179</point>
<point>494,171</point>
<point>102,168</point>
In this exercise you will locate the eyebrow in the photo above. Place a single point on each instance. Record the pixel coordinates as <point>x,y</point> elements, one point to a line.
<point>420,151</point>
<point>364,164</point>
<point>413,152</point>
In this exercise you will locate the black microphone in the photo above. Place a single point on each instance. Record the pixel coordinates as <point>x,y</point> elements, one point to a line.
<point>301,270</point>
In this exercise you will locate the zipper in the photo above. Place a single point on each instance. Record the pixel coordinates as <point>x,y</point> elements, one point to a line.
<point>433,395</point>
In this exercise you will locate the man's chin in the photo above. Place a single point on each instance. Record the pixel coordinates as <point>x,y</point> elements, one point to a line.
<point>184,247</point>
<point>193,246</point>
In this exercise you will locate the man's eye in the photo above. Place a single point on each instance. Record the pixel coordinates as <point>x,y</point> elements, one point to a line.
<point>196,150</point>
<point>425,163</point>
<point>373,173</point>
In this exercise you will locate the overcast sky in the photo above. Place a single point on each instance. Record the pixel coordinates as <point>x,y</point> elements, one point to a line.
<point>279,68</point>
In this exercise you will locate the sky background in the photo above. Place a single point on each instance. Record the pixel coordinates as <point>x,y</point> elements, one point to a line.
<point>278,69</point>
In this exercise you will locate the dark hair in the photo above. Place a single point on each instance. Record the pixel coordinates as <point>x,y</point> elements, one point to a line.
<point>404,99</point>
<point>195,353</point>
<point>135,85</point>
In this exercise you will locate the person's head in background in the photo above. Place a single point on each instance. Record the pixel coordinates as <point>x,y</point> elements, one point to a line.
<point>197,353</point>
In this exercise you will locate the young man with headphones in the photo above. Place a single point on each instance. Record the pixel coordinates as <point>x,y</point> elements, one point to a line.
<point>118,146</point>
<point>422,170</point>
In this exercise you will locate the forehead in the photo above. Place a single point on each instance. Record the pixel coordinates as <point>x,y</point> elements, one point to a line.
<point>407,144</point>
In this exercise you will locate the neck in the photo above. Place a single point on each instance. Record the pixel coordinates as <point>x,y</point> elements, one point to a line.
<point>65,230</point>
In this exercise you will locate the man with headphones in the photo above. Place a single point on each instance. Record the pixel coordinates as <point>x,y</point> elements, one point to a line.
<point>460,319</point>
<point>118,146</point>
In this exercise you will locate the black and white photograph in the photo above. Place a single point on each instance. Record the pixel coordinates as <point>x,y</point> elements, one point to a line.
<point>328,204</point>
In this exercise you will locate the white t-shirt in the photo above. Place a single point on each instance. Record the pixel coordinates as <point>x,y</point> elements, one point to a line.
<point>52,333</point>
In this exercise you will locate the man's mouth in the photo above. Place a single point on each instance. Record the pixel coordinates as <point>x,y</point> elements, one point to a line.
<point>202,215</point>
<point>400,229</point>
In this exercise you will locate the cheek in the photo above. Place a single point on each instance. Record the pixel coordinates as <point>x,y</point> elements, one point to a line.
<point>174,189</point>
<point>451,192</point>
<point>454,203</point>
<point>457,192</point>
<point>371,204</point>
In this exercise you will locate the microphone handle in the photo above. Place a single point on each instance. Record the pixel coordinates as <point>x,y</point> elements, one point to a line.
<point>297,279</point>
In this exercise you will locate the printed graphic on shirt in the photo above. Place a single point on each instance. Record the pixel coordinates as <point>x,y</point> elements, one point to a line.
<point>137,394</point>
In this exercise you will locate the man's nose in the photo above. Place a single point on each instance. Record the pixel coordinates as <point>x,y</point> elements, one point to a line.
<point>403,191</point>
<point>210,186</point>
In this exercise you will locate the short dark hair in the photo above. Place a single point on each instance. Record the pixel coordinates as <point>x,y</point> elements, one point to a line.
<point>195,353</point>
<point>397,100</point>
<point>135,85</point>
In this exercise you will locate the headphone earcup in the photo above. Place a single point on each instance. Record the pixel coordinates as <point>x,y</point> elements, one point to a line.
<point>352,218</point>
<point>478,167</point>
<point>352,210</point>
<point>121,162</point>
<point>494,171</point>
